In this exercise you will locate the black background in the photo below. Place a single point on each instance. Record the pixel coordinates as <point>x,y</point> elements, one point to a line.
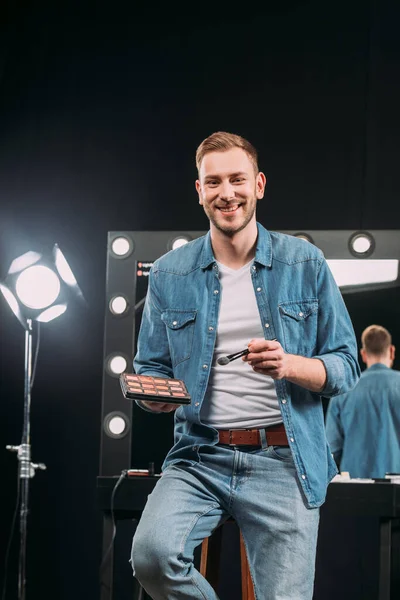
<point>102,107</point>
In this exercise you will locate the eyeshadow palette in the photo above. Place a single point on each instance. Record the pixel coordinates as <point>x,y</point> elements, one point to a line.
<point>154,389</point>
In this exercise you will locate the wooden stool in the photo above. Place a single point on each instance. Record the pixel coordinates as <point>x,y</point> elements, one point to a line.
<point>210,560</point>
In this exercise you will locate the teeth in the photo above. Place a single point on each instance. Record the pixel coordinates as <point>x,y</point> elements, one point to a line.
<point>230,209</point>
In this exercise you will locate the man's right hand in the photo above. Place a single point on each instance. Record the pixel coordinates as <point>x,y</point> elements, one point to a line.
<point>159,407</point>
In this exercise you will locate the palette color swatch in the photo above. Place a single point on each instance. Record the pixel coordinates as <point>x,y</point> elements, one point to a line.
<point>154,389</point>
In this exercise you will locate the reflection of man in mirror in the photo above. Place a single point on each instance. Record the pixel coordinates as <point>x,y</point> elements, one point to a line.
<point>363,425</point>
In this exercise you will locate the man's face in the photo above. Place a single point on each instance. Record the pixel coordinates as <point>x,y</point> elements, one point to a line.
<point>228,189</point>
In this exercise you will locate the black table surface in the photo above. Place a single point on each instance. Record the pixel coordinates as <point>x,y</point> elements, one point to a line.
<point>380,499</point>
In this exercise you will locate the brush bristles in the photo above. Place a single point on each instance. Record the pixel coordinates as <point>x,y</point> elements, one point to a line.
<point>222,360</point>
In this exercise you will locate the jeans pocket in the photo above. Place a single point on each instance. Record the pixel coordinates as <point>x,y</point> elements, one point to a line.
<point>283,453</point>
<point>181,462</point>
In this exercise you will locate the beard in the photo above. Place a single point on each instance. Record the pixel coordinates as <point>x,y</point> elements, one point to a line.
<point>248,209</point>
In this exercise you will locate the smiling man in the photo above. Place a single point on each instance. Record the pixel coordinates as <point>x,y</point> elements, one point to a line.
<point>229,187</point>
<point>252,443</point>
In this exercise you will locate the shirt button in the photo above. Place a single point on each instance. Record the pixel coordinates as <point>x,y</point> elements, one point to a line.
<point>205,366</point>
<point>267,325</point>
<point>292,439</point>
<point>215,291</point>
<point>211,328</point>
<point>258,289</point>
<point>197,403</point>
<point>301,314</point>
<point>284,401</point>
<point>174,322</point>
<point>254,268</point>
<point>303,476</point>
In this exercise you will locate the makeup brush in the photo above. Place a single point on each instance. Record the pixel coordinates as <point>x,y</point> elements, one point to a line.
<point>224,360</point>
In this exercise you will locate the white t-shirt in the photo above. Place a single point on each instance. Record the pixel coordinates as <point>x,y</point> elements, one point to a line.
<point>237,397</point>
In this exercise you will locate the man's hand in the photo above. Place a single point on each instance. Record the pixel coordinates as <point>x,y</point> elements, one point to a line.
<point>159,407</point>
<point>269,358</point>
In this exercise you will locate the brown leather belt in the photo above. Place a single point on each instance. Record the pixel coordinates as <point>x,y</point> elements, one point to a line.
<point>276,436</point>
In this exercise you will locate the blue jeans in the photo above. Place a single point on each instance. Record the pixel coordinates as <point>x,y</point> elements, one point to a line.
<point>259,488</point>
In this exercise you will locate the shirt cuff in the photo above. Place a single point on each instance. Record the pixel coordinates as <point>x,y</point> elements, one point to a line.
<point>334,374</point>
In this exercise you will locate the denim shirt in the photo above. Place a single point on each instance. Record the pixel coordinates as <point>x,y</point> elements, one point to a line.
<point>299,304</point>
<point>363,426</point>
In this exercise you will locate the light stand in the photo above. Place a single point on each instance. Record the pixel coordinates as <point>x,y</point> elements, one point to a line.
<point>37,287</point>
<point>26,469</point>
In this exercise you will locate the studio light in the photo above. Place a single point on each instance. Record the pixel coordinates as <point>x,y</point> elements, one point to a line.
<point>24,261</point>
<point>118,305</point>
<point>121,246</point>
<point>179,241</point>
<point>63,268</point>
<point>116,364</point>
<point>116,424</point>
<point>52,313</point>
<point>361,244</point>
<point>11,301</point>
<point>37,287</point>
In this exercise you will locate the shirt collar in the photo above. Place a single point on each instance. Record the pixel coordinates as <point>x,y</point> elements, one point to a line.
<point>263,249</point>
<point>377,366</point>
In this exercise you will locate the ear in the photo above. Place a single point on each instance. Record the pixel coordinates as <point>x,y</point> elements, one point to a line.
<point>392,350</point>
<point>363,355</point>
<point>198,189</point>
<point>261,182</point>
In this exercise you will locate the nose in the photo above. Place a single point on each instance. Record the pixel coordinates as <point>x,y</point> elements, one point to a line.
<point>226,191</point>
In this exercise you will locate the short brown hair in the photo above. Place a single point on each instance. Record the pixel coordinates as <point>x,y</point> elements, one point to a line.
<point>221,141</point>
<point>376,340</point>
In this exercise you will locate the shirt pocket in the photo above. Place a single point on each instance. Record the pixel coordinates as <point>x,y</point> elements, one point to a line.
<point>299,326</point>
<point>180,332</point>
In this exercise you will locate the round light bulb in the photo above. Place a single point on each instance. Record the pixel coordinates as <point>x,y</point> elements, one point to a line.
<point>117,425</point>
<point>118,365</point>
<point>179,242</point>
<point>120,246</point>
<point>118,305</point>
<point>37,287</point>
<point>361,244</point>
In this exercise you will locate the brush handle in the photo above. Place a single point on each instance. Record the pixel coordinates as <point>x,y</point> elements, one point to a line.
<point>238,354</point>
<point>243,352</point>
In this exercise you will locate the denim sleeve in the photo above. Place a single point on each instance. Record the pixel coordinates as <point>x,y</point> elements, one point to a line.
<point>334,430</point>
<point>337,345</point>
<point>152,355</point>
